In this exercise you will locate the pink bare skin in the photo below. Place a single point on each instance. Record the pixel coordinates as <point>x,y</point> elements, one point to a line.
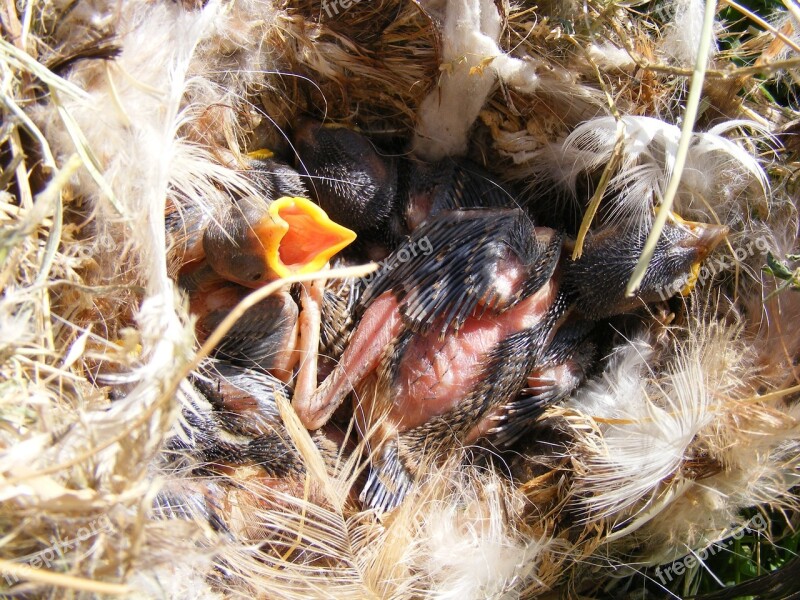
<point>435,375</point>
<point>379,326</point>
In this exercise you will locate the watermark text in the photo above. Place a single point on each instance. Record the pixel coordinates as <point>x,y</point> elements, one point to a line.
<point>45,559</point>
<point>665,574</point>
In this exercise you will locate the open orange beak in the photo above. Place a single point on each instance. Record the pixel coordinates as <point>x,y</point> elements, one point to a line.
<point>298,237</point>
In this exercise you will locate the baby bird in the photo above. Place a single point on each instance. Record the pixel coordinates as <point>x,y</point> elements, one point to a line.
<point>238,454</point>
<point>350,180</point>
<point>610,254</point>
<point>263,338</point>
<point>382,196</point>
<point>256,241</point>
<point>474,339</point>
<point>234,431</point>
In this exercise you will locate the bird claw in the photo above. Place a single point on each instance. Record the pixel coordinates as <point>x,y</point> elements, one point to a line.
<point>539,385</point>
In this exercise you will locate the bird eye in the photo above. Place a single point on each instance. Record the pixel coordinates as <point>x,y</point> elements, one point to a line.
<point>255,277</point>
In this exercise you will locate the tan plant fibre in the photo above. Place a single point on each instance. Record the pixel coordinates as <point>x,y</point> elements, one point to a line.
<point>117,113</point>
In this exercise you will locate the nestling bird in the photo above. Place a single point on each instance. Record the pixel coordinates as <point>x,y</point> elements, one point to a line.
<point>473,340</point>
<point>381,196</point>
<point>233,437</point>
<point>255,241</point>
<point>258,240</point>
<point>263,338</point>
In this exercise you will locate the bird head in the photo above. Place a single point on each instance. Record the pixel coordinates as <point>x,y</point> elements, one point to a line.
<point>257,244</point>
<point>599,277</point>
<point>351,179</point>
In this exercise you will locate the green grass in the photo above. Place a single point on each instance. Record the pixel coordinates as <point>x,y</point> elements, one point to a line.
<point>745,558</point>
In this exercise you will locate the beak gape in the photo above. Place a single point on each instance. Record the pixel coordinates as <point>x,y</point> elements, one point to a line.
<point>299,237</point>
<point>258,244</point>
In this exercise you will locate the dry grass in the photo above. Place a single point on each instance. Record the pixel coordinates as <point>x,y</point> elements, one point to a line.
<point>112,111</point>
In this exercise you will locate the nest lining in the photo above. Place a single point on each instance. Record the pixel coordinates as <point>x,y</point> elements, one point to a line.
<point>96,336</point>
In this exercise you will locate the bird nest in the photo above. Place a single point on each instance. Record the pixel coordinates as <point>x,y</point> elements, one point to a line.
<point>117,114</point>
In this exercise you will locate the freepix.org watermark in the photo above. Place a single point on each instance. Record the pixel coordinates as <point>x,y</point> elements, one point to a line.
<point>404,254</point>
<point>45,559</point>
<point>665,574</point>
<point>716,265</point>
<point>334,7</point>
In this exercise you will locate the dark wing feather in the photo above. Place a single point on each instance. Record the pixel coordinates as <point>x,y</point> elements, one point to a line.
<point>451,262</point>
<point>518,416</point>
<point>388,481</point>
<point>258,335</point>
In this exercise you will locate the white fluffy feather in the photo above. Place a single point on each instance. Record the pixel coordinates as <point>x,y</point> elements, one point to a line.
<point>472,64</point>
<point>641,431</point>
<point>470,32</point>
<point>718,169</point>
<point>682,33</point>
<point>670,456</point>
<point>470,550</point>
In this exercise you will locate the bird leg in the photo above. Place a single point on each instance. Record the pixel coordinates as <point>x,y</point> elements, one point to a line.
<point>379,326</point>
<point>309,322</point>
